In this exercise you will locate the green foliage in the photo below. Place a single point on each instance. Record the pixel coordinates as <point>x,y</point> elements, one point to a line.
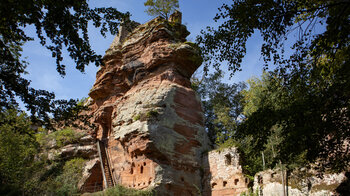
<point>149,115</point>
<point>61,137</point>
<point>152,114</point>
<point>66,136</point>
<point>306,101</point>
<point>221,104</point>
<point>121,191</point>
<point>66,183</point>
<point>58,26</point>
<point>82,101</point>
<point>17,151</point>
<point>137,117</point>
<point>161,8</point>
<point>250,192</point>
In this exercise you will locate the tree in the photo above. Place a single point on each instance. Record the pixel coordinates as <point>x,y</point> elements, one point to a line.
<point>17,151</point>
<point>262,105</point>
<point>314,79</point>
<point>60,25</point>
<point>161,8</point>
<point>221,104</point>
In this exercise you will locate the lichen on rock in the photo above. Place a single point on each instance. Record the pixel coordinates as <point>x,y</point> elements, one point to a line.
<point>149,119</point>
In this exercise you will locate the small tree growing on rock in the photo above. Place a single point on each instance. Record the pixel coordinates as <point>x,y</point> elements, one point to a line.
<point>161,8</point>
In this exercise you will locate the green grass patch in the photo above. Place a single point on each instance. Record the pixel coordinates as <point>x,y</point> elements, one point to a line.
<point>137,117</point>
<point>122,191</point>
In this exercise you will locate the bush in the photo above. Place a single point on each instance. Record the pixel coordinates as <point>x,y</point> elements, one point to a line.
<point>66,183</point>
<point>17,151</point>
<point>62,137</point>
<point>66,136</point>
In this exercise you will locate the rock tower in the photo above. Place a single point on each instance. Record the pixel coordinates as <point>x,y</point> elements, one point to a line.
<point>150,126</point>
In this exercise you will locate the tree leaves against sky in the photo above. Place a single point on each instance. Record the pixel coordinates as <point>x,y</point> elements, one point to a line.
<point>312,100</point>
<point>60,25</point>
<point>161,8</point>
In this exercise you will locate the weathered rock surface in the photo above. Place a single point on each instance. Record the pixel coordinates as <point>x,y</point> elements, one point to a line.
<point>301,183</point>
<point>150,126</point>
<point>85,148</point>
<point>149,119</point>
<point>91,180</point>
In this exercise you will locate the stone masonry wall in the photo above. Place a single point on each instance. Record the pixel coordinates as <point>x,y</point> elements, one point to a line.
<point>223,174</point>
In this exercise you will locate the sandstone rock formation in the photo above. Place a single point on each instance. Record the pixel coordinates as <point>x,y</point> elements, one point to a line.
<point>150,130</point>
<point>150,122</point>
<point>301,182</point>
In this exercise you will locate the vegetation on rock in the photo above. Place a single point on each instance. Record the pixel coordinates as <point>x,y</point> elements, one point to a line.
<point>121,191</point>
<point>60,138</point>
<point>24,166</point>
<point>161,8</point>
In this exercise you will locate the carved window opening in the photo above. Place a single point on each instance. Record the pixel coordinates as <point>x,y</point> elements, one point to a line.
<point>144,163</point>
<point>141,170</point>
<point>228,159</point>
<point>224,183</point>
<point>236,181</point>
<point>213,185</point>
<point>131,171</point>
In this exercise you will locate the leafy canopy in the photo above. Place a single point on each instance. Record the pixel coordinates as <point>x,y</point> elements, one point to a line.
<point>161,8</point>
<point>308,97</point>
<point>60,25</point>
<point>221,104</point>
<point>17,151</point>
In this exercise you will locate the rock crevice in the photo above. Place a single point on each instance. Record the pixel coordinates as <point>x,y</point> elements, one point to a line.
<point>148,118</point>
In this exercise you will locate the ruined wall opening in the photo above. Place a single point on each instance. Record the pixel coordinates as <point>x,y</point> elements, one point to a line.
<point>141,169</point>
<point>224,183</point>
<point>236,181</point>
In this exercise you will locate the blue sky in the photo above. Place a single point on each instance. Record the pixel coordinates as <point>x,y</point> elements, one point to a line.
<point>197,14</point>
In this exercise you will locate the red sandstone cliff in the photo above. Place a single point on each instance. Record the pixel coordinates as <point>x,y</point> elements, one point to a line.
<point>150,122</point>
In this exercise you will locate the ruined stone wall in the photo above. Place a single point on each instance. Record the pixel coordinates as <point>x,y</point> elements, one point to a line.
<point>223,173</point>
<point>301,182</point>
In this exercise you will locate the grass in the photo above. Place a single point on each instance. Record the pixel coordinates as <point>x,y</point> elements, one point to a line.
<point>151,114</point>
<point>122,191</point>
<point>137,117</point>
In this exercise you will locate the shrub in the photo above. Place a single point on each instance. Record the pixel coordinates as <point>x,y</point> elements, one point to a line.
<point>66,183</point>
<point>66,136</point>
<point>152,114</point>
<point>62,137</point>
